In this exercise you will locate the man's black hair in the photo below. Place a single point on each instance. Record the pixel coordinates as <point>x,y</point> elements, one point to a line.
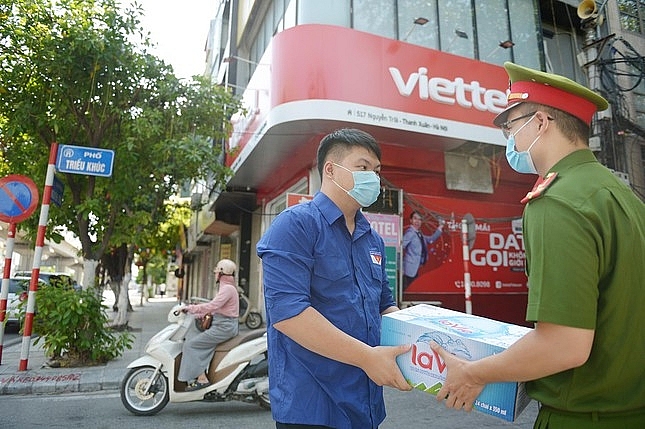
<point>346,138</point>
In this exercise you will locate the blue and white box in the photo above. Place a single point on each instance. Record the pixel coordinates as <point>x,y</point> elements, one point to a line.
<point>467,336</point>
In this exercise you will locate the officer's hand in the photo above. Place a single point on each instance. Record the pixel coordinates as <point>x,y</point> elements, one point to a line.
<point>460,389</point>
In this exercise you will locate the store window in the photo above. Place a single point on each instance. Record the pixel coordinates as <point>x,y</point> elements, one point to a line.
<point>631,15</point>
<point>277,205</point>
<point>560,51</point>
<point>456,27</point>
<point>290,14</point>
<point>493,36</point>
<point>375,16</point>
<point>330,12</point>
<point>524,26</point>
<point>418,22</point>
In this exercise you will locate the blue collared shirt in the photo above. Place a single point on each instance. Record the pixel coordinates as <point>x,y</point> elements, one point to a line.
<point>309,259</point>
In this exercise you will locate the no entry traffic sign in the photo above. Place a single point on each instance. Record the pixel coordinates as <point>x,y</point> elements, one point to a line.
<point>18,198</point>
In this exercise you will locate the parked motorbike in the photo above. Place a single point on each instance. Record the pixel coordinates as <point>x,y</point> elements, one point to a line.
<point>238,371</point>
<point>248,315</point>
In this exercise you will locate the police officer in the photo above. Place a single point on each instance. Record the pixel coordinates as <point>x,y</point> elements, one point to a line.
<point>584,233</point>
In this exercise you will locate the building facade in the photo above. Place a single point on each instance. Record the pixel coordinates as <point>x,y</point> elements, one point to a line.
<point>425,78</point>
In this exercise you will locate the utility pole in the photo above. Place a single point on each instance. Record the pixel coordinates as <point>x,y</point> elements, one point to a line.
<point>592,18</point>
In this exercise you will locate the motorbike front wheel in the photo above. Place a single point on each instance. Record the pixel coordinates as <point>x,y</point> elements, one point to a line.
<point>264,401</point>
<point>254,320</point>
<point>141,395</point>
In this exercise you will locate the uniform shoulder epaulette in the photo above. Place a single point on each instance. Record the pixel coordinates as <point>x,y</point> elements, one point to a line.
<point>540,186</point>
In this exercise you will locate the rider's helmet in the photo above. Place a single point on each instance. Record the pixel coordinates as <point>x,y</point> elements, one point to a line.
<point>225,267</point>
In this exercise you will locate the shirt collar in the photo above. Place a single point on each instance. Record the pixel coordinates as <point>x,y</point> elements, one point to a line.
<point>332,213</point>
<point>578,157</point>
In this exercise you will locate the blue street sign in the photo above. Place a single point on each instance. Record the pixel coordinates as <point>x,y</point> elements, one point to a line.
<point>58,187</point>
<point>85,160</point>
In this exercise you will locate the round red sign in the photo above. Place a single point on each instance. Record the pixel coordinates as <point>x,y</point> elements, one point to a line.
<point>18,198</point>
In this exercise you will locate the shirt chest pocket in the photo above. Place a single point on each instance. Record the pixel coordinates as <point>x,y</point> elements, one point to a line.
<point>377,273</point>
<point>331,268</point>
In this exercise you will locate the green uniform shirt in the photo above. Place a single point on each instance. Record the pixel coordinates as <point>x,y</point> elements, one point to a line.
<point>585,251</point>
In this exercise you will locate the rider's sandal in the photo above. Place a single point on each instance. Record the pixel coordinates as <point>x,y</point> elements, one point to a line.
<point>197,385</point>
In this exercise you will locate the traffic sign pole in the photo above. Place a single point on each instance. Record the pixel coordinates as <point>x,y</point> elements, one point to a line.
<point>466,255</point>
<point>6,274</point>
<point>38,251</point>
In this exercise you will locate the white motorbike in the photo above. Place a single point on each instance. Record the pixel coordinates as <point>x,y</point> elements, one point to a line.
<point>238,371</point>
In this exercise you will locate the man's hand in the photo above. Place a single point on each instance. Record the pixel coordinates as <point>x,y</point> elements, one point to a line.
<point>380,366</point>
<point>460,389</point>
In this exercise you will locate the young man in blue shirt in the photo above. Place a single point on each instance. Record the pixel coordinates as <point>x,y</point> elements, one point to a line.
<point>325,291</point>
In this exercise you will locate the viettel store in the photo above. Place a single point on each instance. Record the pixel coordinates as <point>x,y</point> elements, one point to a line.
<point>432,114</point>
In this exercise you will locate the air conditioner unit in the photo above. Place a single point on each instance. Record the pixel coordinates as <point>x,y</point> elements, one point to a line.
<point>605,114</point>
<point>594,143</point>
<point>622,176</point>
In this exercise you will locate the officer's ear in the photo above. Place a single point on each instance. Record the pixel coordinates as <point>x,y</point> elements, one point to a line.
<point>543,120</point>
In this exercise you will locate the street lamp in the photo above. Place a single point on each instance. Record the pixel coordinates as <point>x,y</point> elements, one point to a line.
<point>504,45</point>
<point>418,21</point>
<point>459,34</point>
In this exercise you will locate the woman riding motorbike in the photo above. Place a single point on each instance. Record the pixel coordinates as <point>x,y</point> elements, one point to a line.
<point>225,308</point>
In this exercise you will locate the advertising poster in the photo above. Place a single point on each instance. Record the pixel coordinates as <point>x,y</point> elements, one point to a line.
<point>496,258</point>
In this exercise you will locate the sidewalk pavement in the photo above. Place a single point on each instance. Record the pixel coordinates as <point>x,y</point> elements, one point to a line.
<point>145,321</point>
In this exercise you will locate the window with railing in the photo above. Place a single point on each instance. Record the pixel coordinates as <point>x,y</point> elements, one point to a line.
<point>632,15</point>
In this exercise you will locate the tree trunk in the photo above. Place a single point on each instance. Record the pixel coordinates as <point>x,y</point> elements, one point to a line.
<point>123,302</point>
<point>117,263</point>
<point>89,270</point>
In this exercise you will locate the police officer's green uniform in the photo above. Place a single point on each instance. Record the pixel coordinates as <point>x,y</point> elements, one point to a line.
<point>584,236</point>
<point>585,248</point>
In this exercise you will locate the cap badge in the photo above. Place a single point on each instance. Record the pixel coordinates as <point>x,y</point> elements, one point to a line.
<point>518,96</point>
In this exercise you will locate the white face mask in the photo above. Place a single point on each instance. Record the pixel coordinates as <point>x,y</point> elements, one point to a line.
<point>367,186</point>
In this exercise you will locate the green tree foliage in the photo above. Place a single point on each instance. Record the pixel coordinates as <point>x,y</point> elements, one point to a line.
<point>73,328</point>
<point>78,72</point>
<point>155,247</point>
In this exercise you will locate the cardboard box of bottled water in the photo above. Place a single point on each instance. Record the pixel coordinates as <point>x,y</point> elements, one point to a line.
<point>467,336</point>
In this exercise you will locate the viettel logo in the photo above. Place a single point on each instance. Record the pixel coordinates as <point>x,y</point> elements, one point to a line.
<point>444,91</point>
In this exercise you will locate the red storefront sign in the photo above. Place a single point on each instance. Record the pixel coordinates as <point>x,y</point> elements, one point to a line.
<point>314,72</point>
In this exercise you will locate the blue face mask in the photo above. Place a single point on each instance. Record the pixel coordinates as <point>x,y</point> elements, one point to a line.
<point>367,186</point>
<point>520,161</point>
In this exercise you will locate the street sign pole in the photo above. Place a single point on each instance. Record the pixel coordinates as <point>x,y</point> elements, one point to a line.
<point>18,200</point>
<point>6,274</point>
<point>466,256</point>
<point>38,251</point>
